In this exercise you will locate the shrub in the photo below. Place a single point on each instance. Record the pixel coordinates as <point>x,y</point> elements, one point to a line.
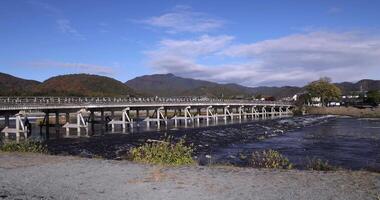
<point>25,146</point>
<point>269,159</point>
<point>319,165</point>
<point>163,152</point>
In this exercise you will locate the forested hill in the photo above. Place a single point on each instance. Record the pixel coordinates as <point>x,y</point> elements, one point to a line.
<point>83,85</point>
<point>151,85</point>
<point>14,86</point>
<point>64,85</point>
<point>171,85</point>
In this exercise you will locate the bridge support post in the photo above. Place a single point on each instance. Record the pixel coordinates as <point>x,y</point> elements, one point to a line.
<point>187,115</point>
<point>6,118</point>
<point>209,114</point>
<point>47,134</point>
<point>227,113</point>
<point>67,117</point>
<point>78,123</point>
<point>255,114</point>
<point>158,112</point>
<point>288,112</point>
<point>6,125</point>
<point>263,112</point>
<point>92,121</point>
<point>280,111</point>
<point>57,124</point>
<point>20,127</point>
<point>102,120</point>
<point>112,114</point>
<point>273,112</point>
<point>240,111</point>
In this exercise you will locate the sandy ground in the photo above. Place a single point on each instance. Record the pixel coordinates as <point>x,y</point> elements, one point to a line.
<point>34,176</point>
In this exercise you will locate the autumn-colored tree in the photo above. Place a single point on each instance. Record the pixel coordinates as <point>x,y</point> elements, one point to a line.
<point>324,89</point>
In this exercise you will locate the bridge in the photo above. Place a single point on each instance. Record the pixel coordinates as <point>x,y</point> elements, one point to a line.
<point>126,112</point>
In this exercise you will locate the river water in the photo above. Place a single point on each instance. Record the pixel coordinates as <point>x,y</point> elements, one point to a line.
<point>350,143</point>
<point>345,142</point>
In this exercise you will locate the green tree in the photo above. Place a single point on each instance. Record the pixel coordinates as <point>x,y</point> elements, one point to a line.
<point>324,89</point>
<point>373,97</point>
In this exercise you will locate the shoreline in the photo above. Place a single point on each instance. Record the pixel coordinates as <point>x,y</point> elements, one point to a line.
<point>345,111</point>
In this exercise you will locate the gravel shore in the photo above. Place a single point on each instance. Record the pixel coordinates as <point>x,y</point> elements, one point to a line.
<point>35,176</point>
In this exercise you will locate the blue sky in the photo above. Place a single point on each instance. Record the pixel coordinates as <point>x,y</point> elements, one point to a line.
<point>247,42</point>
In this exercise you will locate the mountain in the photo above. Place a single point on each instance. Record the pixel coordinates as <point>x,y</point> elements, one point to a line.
<point>171,85</point>
<point>364,85</point>
<point>152,85</point>
<point>166,84</point>
<point>83,85</point>
<point>14,86</point>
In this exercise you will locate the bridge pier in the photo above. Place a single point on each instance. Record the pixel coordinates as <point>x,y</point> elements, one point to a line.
<point>67,117</point>
<point>263,112</point>
<point>125,119</point>
<point>57,126</point>
<point>92,121</point>
<point>80,123</point>
<point>20,128</point>
<point>47,133</point>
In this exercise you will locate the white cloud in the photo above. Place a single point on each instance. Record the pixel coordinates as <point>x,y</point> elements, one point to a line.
<point>294,59</point>
<point>183,19</point>
<point>64,25</point>
<point>203,45</point>
<point>77,67</point>
<point>334,10</point>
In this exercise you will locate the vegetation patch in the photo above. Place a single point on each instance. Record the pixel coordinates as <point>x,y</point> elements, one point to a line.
<point>269,159</point>
<point>319,165</point>
<point>163,153</point>
<point>25,146</point>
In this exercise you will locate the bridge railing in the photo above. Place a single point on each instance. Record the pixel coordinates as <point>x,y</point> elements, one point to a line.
<point>18,101</point>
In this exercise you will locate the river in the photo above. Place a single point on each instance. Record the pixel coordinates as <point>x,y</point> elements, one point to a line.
<point>350,143</point>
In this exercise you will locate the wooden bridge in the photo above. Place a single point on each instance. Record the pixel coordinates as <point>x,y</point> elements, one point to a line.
<point>127,112</point>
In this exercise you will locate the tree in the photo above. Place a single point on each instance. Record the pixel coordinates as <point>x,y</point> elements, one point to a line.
<point>324,89</point>
<point>373,97</point>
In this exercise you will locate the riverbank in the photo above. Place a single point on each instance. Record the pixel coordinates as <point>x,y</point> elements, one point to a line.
<point>35,176</point>
<point>345,111</point>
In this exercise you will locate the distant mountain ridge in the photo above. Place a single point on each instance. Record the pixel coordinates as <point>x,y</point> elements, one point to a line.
<point>171,85</point>
<point>64,85</point>
<point>151,85</point>
<point>362,85</point>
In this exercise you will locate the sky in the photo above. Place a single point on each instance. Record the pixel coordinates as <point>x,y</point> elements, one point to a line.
<point>253,43</point>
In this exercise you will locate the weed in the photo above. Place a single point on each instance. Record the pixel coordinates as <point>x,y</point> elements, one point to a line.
<point>25,146</point>
<point>163,152</point>
<point>319,165</point>
<point>269,159</point>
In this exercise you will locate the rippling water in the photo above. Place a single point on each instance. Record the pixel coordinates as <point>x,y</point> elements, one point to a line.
<point>346,142</point>
<point>350,143</point>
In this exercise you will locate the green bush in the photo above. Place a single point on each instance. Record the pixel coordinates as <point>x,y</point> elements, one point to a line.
<point>25,146</point>
<point>163,152</point>
<point>269,159</point>
<point>319,165</point>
